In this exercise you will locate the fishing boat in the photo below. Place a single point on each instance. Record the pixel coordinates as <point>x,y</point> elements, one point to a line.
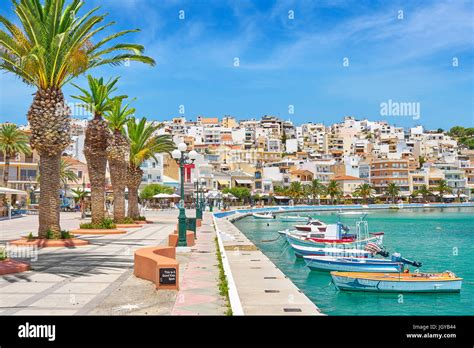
<point>294,218</point>
<point>302,250</point>
<point>312,226</point>
<point>336,235</point>
<point>395,264</point>
<point>352,264</point>
<point>263,216</point>
<point>397,282</point>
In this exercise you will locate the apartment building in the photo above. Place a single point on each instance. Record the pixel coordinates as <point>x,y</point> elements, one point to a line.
<point>386,171</point>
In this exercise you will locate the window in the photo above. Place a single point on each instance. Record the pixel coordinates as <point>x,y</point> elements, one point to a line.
<point>79,174</point>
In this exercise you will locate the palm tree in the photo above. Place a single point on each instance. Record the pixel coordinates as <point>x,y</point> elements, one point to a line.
<point>316,189</point>
<point>80,196</point>
<point>144,144</point>
<point>333,190</point>
<point>392,190</point>
<point>118,154</point>
<point>51,46</point>
<point>365,191</point>
<point>12,141</point>
<point>443,188</point>
<point>295,190</point>
<point>424,191</point>
<point>97,100</point>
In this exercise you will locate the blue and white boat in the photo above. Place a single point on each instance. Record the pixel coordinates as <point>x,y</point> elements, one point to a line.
<point>352,264</point>
<point>301,251</point>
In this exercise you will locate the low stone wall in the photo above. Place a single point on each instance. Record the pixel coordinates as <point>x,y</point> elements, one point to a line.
<point>158,265</point>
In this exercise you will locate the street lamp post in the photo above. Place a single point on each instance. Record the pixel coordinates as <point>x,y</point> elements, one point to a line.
<point>199,198</point>
<point>182,158</point>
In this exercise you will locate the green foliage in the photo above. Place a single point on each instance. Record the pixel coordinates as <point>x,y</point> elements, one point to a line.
<point>153,189</point>
<point>140,218</point>
<point>30,237</point>
<point>3,253</point>
<point>53,43</point>
<point>223,284</point>
<point>97,100</point>
<point>105,224</point>
<point>465,136</point>
<point>127,220</point>
<point>241,193</point>
<point>13,140</point>
<point>144,144</point>
<point>50,235</point>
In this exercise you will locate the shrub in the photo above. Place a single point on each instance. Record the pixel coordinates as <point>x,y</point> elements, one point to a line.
<point>140,218</point>
<point>3,254</point>
<point>127,220</point>
<point>30,237</point>
<point>105,224</point>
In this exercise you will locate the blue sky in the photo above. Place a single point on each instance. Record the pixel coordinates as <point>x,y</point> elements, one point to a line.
<point>286,61</point>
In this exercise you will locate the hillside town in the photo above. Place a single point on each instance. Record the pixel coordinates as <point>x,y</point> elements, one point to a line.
<point>273,161</point>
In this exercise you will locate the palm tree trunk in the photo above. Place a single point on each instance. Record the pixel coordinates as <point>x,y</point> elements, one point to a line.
<point>97,168</point>
<point>49,201</point>
<point>95,151</point>
<point>50,124</point>
<point>6,170</point>
<point>118,154</point>
<point>133,183</point>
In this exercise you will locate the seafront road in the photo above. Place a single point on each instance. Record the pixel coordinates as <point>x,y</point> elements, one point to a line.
<point>98,279</point>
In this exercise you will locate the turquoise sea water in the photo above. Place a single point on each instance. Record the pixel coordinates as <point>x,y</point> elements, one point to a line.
<point>442,239</point>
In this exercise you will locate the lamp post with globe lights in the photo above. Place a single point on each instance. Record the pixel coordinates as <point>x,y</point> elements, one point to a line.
<point>182,158</point>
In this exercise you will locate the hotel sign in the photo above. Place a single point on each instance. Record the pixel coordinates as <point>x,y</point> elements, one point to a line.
<point>168,276</point>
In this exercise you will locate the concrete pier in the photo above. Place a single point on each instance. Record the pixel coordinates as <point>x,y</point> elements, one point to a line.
<point>256,285</point>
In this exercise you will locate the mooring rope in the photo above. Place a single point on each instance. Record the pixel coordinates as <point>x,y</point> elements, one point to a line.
<point>270,240</point>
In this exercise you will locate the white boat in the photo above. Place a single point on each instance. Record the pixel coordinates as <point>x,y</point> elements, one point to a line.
<point>263,216</point>
<point>397,282</point>
<point>351,264</point>
<point>302,250</point>
<point>312,226</point>
<point>293,218</point>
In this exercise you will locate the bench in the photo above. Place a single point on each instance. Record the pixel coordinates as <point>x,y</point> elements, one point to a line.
<point>156,264</point>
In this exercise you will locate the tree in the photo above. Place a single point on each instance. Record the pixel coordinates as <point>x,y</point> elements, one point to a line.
<point>392,190</point>
<point>316,189</point>
<point>51,46</point>
<point>365,191</point>
<point>241,193</point>
<point>79,197</point>
<point>144,144</point>
<point>12,141</point>
<point>153,189</point>
<point>118,154</point>
<point>443,188</point>
<point>333,190</point>
<point>424,191</point>
<point>295,191</point>
<point>97,100</point>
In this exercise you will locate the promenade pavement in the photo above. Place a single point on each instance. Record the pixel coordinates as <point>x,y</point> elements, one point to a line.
<point>98,279</point>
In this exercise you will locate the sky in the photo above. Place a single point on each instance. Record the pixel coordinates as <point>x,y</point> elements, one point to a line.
<point>302,60</point>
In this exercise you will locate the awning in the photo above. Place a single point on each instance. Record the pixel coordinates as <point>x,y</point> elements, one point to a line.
<point>9,191</point>
<point>223,182</point>
<point>244,181</point>
<point>281,197</point>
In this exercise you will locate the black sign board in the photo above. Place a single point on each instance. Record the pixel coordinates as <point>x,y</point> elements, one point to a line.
<point>168,276</point>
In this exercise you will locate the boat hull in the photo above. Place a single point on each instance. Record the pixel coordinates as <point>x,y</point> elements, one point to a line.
<point>341,243</point>
<point>352,265</point>
<point>301,251</point>
<point>347,281</point>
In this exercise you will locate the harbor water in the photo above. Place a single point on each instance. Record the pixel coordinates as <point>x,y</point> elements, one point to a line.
<point>441,238</point>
